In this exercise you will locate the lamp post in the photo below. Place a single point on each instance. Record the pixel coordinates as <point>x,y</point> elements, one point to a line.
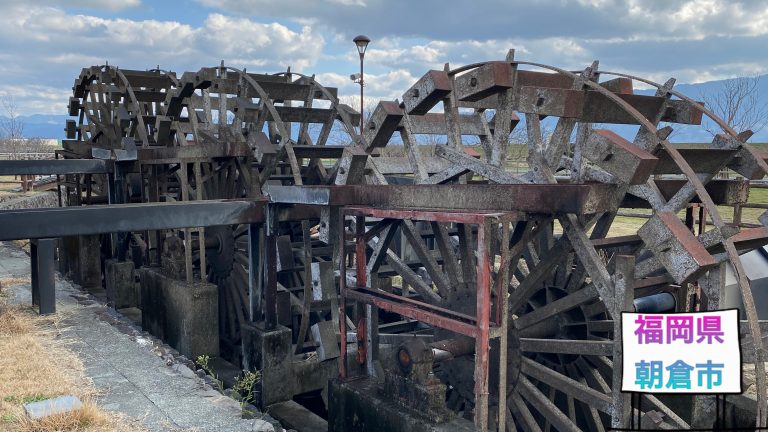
<point>361,41</point>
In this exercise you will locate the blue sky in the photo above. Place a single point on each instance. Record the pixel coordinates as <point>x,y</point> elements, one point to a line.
<point>45,44</point>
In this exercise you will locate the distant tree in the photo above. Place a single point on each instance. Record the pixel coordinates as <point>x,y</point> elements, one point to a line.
<point>338,135</point>
<point>11,127</point>
<point>37,145</point>
<point>739,104</point>
<point>12,133</point>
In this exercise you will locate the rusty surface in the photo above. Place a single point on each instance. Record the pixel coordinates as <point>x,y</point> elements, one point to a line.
<point>426,92</point>
<point>619,157</point>
<point>527,198</point>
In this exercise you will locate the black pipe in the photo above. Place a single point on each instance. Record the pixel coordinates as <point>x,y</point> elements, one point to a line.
<point>661,302</point>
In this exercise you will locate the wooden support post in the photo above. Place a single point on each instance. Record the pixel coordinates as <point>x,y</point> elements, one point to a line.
<point>624,295</point>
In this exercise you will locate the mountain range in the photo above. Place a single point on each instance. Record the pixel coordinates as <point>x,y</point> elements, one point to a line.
<point>52,126</point>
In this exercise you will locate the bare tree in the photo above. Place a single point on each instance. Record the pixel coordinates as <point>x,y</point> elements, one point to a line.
<point>11,127</point>
<point>38,145</point>
<point>739,104</point>
<point>338,136</point>
<point>12,138</point>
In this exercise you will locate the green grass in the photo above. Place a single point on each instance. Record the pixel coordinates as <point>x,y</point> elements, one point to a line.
<point>34,398</point>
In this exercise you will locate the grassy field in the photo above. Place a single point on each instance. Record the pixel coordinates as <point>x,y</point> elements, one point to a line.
<point>629,225</point>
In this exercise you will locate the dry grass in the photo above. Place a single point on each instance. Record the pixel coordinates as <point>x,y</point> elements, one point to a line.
<point>13,323</point>
<point>8,184</point>
<point>89,418</point>
<point>36,365</point>
<point>8,282</point>
<point>12,281</point>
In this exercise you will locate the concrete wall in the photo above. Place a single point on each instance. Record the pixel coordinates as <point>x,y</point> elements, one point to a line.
<point>184,315</point>
<point>119,282</point>
<point>358,405</point>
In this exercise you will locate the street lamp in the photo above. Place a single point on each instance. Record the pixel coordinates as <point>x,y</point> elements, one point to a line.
<point>361,41</point>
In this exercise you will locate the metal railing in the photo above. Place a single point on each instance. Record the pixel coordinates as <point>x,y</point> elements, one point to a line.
<point>27,182</point>
<point>27,155</point>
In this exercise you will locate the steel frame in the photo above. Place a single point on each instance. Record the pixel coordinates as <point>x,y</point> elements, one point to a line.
<point>69,221</point>
<point>41,254</point>
<point>484,326</point>
<point>55,166</point>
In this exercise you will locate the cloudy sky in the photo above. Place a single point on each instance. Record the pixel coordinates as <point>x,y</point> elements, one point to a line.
<point>45,44</point>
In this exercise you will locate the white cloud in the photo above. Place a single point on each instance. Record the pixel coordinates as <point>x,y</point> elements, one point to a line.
<point>75,59</point>
<point>36,99</point>
<point>496,19</point>
<point>53,31</point>
<point>252,43</point>
<point>386,86</point>
<point>112,5</point>
<point>693,40</point>
<point>349,2</point>
<point>47,44</point>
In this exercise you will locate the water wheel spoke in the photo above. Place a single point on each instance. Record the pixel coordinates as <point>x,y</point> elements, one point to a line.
<point>566,346</point>
<point>304,326</point>
<point>594,379</point>
<point>232,314</point>
<point>521,412</point>
<point>593,309</point>
<point>601,326</point>
<point>604,365</point>
<point>532,282</point>
<point>509,426</point>
<point>450,260</point>
<point>411,278</point>
<point>240,281</point>
<point>545,407</point>
<point>242,260</point>
<point>240,230</point>
<point>592,416</point>
<point>425,256</point>
<point>241,243</point>
<point>566,385</point>
<point>551,396</point>
<point>520,272</point>
<point>669,415</point>
<point>564,273</point>
<point>556,307</point>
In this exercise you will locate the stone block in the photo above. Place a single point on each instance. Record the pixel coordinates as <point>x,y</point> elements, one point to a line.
<point>184,315</point>
<point>59,405</point>
<point>269,351</point>
<point>358,405</point>
<point>119,281</point>
<point>88,272</point>
<point>324,333</point>
<point>427,399</point>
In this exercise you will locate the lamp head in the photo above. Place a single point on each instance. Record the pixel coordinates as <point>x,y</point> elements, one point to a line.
<point>361,41</point>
